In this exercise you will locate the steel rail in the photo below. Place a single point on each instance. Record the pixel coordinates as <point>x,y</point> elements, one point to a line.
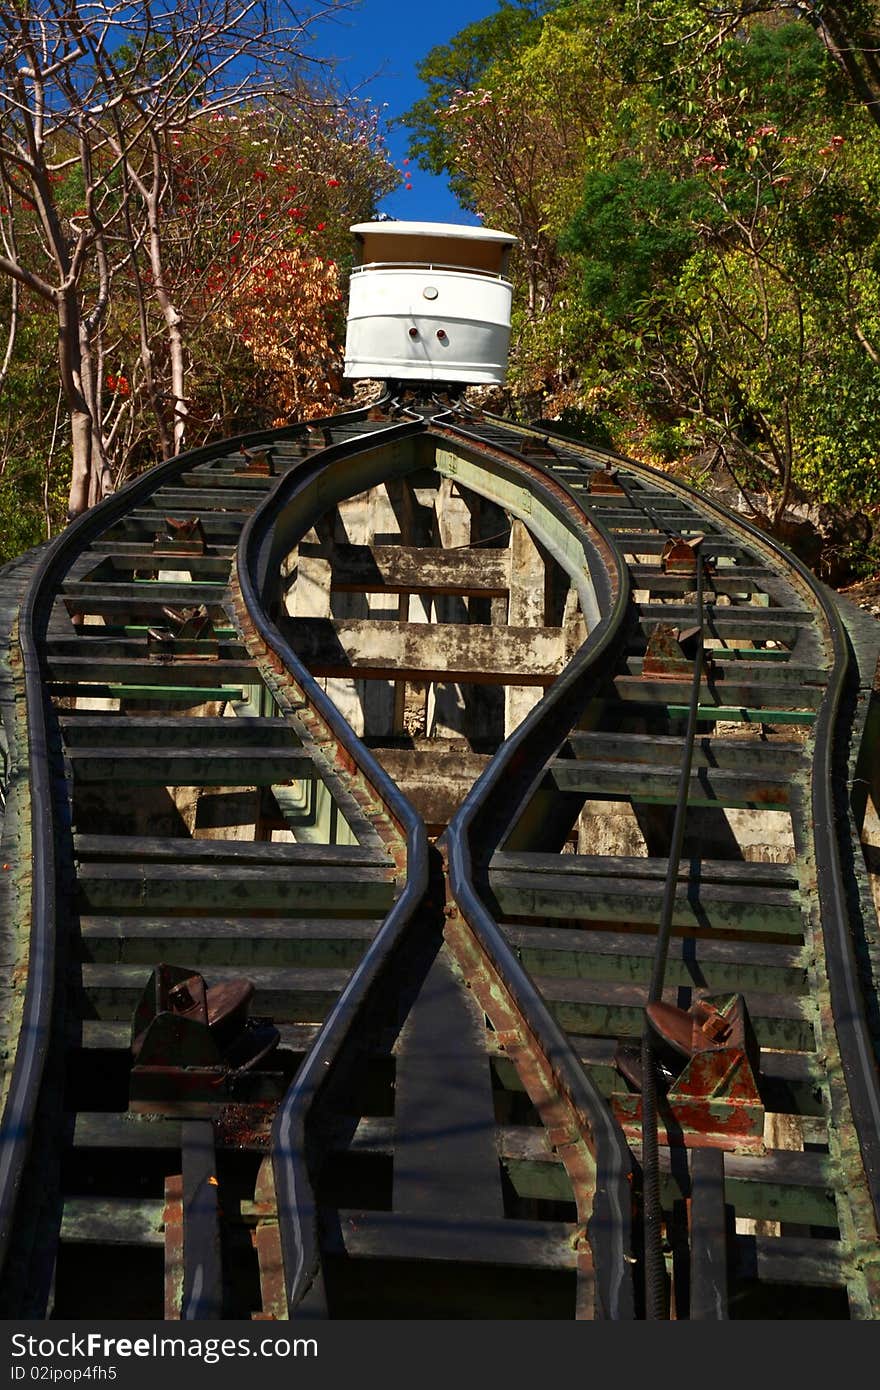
<point>610,1231</point>
<point>25,1086</point>
<point>610,1228</point>
<point>297,1211</point>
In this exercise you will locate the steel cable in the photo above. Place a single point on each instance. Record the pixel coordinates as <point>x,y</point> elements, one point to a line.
<point>655,1264</point>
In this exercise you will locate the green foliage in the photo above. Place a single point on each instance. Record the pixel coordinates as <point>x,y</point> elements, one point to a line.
<point>700,260</point>
<point>634,229</point>
<point>587,426</point>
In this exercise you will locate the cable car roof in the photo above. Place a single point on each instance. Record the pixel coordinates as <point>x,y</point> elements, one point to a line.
<point>431,229</point>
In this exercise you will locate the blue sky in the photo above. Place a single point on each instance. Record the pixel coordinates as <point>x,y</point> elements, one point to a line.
<point>388,38</point>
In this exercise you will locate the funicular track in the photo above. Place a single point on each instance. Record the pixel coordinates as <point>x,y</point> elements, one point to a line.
<point>451,1122</point>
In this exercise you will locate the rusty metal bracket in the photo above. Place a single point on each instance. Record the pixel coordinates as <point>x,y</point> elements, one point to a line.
<point>186,537</point>
<point>714,1100</point>
<point>670,653</point>
<point>190,624</point>
<point>679,556</point>
<point>261,463</point>
<point>193,1045</point>
<point>604,483</point>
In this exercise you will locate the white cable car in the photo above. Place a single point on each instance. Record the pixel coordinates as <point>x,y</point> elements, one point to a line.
<point>429,301</point>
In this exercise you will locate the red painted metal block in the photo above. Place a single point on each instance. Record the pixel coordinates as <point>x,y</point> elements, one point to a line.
<point>679,556</point>
<point>714,1101</point>
<point>603,482</point>
<point>186,537</point>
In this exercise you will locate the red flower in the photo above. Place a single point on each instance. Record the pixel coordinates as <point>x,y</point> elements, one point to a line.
<point>320,226</point>
<point>332,183</point>
<point>258,174</point>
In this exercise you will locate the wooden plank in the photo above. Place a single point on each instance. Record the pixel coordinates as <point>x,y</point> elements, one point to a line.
<point>128,551</point>
<point>637,542</point>
<point>203,1269</point>
<point>699,962</point>
<point>416,651</point>
<point>727,714</point>
<point>150,850</point>
<point>214,498</point>
<point>400,569</point>
<point>726,693</point>
<point>790,1260</point>
<point>772,756</point>
<point>147,520</point>
<point>145,730</point>
<point>778,672</point>
<point>640,782</point>
<point>187,695</point>
<point>99,645</point>
<point>735,579</point>
<point>658,500</point>
<point>445,1156</point>
<point>217,887</point>
<point>708,1236</point>
<point>151,671</point>
<point>699,905</point>
<point>746,620</point>
<point>365,1235</point>
<point>209,478</point>
<point>735,872</point>
<point>99,1129</point>
<point>680,521</point>
<point>114,1035</point>
<point>192,767</point>
<point>292,995</point>
<point>238,941</point>
<point>170,591</point>
<point>112,1221</point>
<point>608,1009</point>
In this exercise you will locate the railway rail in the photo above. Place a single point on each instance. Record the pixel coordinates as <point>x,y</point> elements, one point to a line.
<point>433,886</point>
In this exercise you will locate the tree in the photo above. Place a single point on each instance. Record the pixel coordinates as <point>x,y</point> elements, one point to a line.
<point>457,67</point>
<point>701,236</point>
<point>92,96</point>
